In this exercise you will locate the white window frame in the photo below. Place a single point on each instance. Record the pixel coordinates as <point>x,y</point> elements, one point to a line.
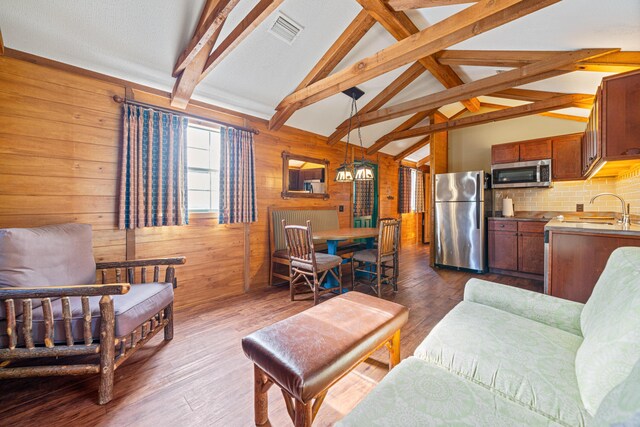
<point>212,168</point>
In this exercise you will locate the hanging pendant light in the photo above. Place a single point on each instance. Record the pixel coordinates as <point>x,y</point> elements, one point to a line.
<point>361,170</point>
<point>345,171</point>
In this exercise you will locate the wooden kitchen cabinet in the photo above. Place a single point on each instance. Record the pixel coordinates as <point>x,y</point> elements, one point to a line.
<point>531,247</point>
<point>612,135</point>
<point>537,149</point>
<point>524,151</point>
<point>576,260</point>
<point>517,248</point>
<point>621,116</point>
<point>566,157</point>
<point>505,153</point>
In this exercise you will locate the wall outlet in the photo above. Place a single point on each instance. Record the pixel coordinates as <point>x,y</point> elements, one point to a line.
<point>579,207</point>
<point>341,208</point>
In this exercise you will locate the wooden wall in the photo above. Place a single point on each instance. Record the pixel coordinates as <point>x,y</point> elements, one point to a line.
<point>59,136</point>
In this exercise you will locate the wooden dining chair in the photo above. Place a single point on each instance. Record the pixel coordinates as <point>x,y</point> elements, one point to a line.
<point>374,264</point>
<point>308,268</point>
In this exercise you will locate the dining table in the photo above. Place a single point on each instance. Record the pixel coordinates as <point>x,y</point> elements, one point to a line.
<point>335,236</point>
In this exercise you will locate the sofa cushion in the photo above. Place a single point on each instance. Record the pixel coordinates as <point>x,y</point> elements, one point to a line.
<point>131,310</point>
<point>416,393</point>
<point>522,360</point>
<point>621,407</point>
<point>610,324</point>
<point>53,255</point>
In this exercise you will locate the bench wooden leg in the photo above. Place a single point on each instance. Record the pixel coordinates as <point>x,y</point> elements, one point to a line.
<point>394,349</point>
<point>304,414</point>
<point>261,398</point>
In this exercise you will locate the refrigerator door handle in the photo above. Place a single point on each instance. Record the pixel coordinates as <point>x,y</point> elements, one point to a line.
<point>478,206</point>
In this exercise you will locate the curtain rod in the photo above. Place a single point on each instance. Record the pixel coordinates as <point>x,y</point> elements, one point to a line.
<point>121,100</point>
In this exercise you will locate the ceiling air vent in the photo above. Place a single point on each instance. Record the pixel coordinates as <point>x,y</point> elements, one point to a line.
<point>285,28</point>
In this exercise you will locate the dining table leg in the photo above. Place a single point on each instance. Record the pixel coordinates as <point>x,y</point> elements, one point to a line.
<point>332,249</point>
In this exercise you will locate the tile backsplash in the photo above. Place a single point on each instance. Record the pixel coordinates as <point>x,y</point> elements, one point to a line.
<point>564,196</point>
<point>628,187</point>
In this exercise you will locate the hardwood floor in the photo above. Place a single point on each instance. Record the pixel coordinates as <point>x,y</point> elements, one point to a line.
<point>203,378</point>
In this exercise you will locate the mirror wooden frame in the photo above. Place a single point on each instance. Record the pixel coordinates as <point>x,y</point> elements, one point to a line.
<point>286,194</point>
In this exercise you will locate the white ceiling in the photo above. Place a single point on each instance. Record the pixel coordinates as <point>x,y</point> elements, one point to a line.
<point>140,41</point>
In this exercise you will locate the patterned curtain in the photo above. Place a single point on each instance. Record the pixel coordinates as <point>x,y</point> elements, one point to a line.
<point>153,170</point>
<point>363,203</point>
<point>237,177</point>
<point>419,191</point>
<point>404,190</point>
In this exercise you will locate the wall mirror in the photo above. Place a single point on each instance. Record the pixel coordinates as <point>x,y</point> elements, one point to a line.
<point>304,176</point>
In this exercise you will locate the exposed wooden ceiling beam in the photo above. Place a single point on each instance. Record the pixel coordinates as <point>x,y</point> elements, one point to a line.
<point>420,4</point>
<point>396,86</point>
<point>336,53</point>
<point>546,114</point>
<point>474,20</point>
<point>407,124</point>
<point>400,27</point>
<point>527,74</point>
<point>204,32</point>
<point>423,161</point>
<point>616,62</point>
<point>189,77</point>
<point>556,103</point>
<point>536,95</point>
<point>258,14</point>
<point>415,147</point>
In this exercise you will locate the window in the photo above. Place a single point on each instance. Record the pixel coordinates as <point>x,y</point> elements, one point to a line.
<point>413,190</point>
<point>203,157</point>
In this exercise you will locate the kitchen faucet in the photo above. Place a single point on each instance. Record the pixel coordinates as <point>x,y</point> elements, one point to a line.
<point>625,207</point>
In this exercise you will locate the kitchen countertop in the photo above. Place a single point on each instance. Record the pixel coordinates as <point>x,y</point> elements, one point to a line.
<point>597,228</point>
<point>520,218</point>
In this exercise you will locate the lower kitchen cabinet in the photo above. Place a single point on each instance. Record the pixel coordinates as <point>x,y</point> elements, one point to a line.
<point>576,260</point>
<point>517,248</point>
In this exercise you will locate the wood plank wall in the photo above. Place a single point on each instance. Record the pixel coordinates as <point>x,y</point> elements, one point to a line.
<point>60,132</point>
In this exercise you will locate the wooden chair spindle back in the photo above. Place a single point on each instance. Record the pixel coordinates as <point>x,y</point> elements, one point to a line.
<point>299,240</point>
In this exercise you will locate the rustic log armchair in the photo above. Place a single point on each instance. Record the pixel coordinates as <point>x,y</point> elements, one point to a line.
<point>47,309</point>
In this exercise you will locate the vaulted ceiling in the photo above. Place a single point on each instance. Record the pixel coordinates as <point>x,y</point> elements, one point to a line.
<point>144,40</point>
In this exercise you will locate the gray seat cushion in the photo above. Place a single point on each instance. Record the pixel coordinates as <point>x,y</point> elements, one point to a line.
<point>370,255</point>
<point>54,255</point>
<point>131,310</point>
<point>323,261</point>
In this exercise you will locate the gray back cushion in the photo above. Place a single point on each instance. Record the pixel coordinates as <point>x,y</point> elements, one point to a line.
<point>53,255</point>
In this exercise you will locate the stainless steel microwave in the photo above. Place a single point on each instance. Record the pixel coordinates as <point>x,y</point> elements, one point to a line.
<point>522,174</point>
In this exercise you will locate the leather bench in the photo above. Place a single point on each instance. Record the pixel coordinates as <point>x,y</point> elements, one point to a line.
<point>305,356</point>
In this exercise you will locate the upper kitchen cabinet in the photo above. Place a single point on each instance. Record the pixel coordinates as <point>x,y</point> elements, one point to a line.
<point>505,153</point>
<point>566,156</point>
<point>611,143</point>
<point>536,149</point>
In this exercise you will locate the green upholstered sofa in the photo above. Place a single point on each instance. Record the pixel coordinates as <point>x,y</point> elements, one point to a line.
<point>507,357</point>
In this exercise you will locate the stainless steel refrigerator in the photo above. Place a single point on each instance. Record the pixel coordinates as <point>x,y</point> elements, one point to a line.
<point>462,203</point>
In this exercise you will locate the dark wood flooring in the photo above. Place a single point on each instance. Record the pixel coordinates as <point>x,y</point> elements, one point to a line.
<point>202,377</point>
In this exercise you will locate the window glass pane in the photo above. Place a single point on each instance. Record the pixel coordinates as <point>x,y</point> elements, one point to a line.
<point>198,138</point>
<point>199,200</point>
<point>215,150</point>
<point>197,158</point>
<point>215,189</point>
<point>199,181</point>
<point>203,157</point>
